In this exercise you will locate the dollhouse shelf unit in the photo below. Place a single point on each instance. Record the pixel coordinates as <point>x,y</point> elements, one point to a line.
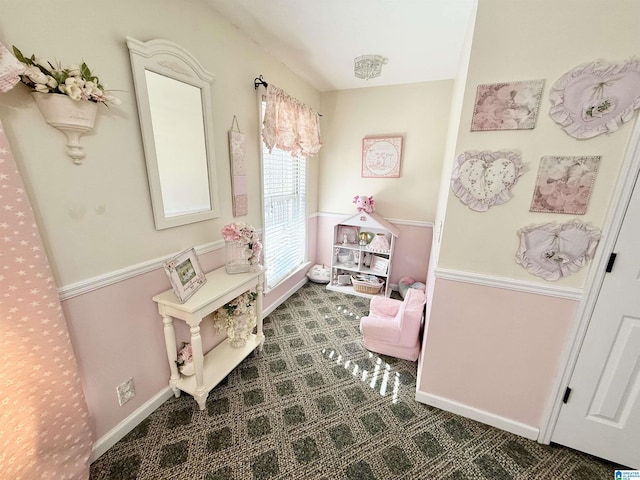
<point>349,257</point>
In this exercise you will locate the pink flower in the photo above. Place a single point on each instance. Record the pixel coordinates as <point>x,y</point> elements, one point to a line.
<point>231,232</point>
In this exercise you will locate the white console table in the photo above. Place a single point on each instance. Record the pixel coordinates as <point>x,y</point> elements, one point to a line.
<point>212,368</point>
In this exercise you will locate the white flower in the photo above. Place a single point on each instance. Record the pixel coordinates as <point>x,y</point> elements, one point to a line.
<point>75,81</point>
<point>36,75</point>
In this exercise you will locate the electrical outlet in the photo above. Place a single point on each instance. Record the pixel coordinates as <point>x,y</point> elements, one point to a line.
<point>126,391</point>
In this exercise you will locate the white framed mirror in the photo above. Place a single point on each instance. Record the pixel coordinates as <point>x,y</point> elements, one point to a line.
<point>173,93</point>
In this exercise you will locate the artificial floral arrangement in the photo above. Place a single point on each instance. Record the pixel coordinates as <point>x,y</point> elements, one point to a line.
<point>77,82</point>
<point>244,234</point>
<point>237,318</point>
<point>185,357</point>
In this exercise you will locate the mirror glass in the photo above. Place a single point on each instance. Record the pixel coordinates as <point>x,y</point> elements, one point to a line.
<point>173,96</point>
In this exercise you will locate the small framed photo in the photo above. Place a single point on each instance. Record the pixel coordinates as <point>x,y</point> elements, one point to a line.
<point>381,156</point>
<point>347,235</point>
<point>185,274</point>
<point>379,264</point>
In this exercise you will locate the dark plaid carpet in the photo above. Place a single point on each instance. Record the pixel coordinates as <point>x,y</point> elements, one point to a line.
<point>316,405</point>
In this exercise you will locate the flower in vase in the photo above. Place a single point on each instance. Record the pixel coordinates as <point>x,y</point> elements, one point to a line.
<point>185,355</point>
<point>75,81</point>
<point>246,235</point>
<point>241,307</point>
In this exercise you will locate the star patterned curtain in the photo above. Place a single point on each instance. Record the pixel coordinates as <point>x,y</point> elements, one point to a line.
<point>44,421</point>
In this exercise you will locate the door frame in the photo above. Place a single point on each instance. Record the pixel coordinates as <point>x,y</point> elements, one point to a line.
<point>629,171</point>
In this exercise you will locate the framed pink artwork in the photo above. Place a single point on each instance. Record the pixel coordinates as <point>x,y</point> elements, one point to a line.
<point>564,184</point>
<point>507,106</point>
<point>381,156</point>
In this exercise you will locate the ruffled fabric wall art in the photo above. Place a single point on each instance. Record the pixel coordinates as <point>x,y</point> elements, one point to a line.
<point>553,251</point>
<point>564,184</point>
<point>507,106</point>
<point>596,97</point>
<point>484,179</point>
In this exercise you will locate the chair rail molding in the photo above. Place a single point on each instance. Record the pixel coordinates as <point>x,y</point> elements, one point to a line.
<point>85,286</point>
<point>569,293</point>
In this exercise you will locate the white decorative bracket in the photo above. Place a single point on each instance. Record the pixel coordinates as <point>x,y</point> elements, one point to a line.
<point>72,117</point>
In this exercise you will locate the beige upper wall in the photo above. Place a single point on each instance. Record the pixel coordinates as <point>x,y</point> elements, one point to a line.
<point>543,45</point>
<point>96,218</point>
<point>419,112</point>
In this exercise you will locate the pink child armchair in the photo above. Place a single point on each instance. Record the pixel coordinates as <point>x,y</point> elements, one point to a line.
<point>393,326</point>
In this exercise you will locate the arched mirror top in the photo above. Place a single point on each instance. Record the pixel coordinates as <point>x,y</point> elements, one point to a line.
<point>173,93</point>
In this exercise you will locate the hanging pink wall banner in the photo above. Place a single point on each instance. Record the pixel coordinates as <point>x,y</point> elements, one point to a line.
<point>44,420</point>
<point>239,190</point>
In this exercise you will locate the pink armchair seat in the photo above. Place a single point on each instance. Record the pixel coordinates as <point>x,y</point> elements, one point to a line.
<point>393,326</point>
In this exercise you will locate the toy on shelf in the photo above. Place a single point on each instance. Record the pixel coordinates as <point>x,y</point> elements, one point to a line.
<point>364,203</point>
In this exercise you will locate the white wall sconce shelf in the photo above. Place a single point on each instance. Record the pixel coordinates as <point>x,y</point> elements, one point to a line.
<point>74,118</point>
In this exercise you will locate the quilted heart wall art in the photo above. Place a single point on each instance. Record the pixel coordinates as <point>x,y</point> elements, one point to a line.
<point>596,98</point>
<point>484,179</point>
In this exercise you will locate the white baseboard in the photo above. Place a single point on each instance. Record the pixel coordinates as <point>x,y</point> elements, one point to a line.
<point>125,426</point>
<point>473,413</point>
<point>280,300</point>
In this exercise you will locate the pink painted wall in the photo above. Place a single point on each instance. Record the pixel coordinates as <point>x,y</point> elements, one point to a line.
<point>493,349</point>
<point>413,247</point>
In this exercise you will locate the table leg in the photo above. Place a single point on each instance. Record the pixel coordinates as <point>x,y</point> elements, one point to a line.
<point>259,333</point>
<point>172,353</point>
<point>198,363</point>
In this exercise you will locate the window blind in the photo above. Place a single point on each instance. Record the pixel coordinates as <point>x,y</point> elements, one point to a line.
<point>285,222</point>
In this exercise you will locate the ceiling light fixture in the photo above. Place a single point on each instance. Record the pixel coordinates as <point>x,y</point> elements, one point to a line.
<point>368,66</point>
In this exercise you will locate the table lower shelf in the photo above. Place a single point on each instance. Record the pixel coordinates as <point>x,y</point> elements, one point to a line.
<point>219,363</point>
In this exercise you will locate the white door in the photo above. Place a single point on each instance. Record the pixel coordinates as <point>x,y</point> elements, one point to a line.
<point>602,412</point>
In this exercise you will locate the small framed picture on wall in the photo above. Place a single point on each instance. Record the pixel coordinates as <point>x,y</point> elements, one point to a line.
<point>381,156</point>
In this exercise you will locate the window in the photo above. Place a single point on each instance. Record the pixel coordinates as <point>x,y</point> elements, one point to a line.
<point>284,215</point>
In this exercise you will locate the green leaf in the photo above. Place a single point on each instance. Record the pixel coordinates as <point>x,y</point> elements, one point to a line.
<point>85,73</point>
<point>18,54</point>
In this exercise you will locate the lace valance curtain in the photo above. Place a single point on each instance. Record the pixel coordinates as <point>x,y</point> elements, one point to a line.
<point>290,125</point>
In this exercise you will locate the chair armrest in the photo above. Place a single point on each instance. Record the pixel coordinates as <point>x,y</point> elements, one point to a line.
<point>384,307</point>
